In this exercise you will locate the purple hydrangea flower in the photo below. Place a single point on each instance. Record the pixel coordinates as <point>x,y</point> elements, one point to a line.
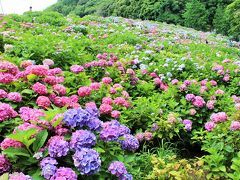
<point>48,160</point>
<point>64,174</point>
<point>93,112</point>
<point>48,171</point>
<point>126,177</point>
<point>155,127</point>
<point>4,164</point>
<point>129,143</point>
<point>58,148</point>
<point>123,130</point>
<point>87,161</point>
<point>110,131</point>
<point>82,139</point>
<point>188,124</point>
<point>94,124</point>
<point>117,168</point>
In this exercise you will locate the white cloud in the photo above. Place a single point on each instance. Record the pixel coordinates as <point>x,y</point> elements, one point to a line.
<point>20,6</point>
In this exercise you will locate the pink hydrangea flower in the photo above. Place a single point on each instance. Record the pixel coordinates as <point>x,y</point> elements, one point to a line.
<point>6,78</point>
<point>219,117</point>
<point>183,87</point>
<point>91,105</point>
<point>39,70</point>
<point>210,104</point>
<point>14,96</point>
<point>105,109</point>
<point>139,136</point>
<point>52,80</point>
<point>235,125</point>
<point>192,112</point>
<point>7,143</point>
<point>115,114</point>
<point>187,82</point>
<point>76,69</point>
<point>26,126</point>
<point>174,81</point>
<point>112,90</point>
<point>107,80</point>
<point>213,83</point>
<point>55,71</point>
<point>40,88</point>
<point>95,86</point>
<point>60,89</point>
<point>226,78</point>
<point>148,136</point>
<point>198,102</point>
<point>62,101</point>
<point>74,98</point>
<point>43,101</point>
<point>209,126</point>
<point>203,89</point>
<point>219,91</point>
<point>120,101</point>
<point>125,94</point>
<point>28,114</point>
<point>203,82</point>
<point>84,91</point>
<point>48,62</point>
<point>6,112</point>
<point>26,63</point>
<point>107,100</point>
<point>3,94</point>
<point>8,67</point>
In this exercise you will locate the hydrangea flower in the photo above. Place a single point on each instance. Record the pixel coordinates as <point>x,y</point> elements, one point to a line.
<point>129,142</point>
<point>87,161</point>
<point>84,91</point>
<point>4,164</point>
<point>209,126</point>
<point>48,171</point>
<point>3,94</point>
<point>188,124</point>
<point>58,148</point>
<point>60,89</point>
<point>190,97</point>
<point>27,113</point>
<point>198,102</point>
<point>14,96</point>
<point>117,169</point>
<point>235,125</point>
<point>48,160</point>
<point>126,177</point>
<point>40,88</point>
<point>19,176</point>
<point>7,143</point>
<point>82,139</point>
<point>6,112</point>
<point>219,117</point>
<point>64,174</point>
<point>105,109</point>
<point>43,101</point>
<point>76,69</point>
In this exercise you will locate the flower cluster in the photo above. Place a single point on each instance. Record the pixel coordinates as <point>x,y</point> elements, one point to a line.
<point>118,169</point>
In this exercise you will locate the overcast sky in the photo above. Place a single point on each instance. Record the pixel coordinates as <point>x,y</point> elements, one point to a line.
<point>20,6</point>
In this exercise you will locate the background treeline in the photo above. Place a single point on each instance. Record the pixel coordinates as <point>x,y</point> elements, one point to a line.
<point>222,16</point>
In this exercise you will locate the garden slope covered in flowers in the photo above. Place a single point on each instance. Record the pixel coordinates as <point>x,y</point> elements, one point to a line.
<point>114,98</point>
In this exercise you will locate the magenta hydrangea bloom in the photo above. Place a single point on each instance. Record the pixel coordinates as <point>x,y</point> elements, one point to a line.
<point>58,148</point>
<point>6,112</point>
<point>60,89</point>
<point>4,164</point>
<point>8,67</point>
<point>19,176</point>
<point>210,104</point>
<point>190,97</point>
<point>14,96</point>
<point>82,139</point>
<point>64,174</point>
<point>107,80</point>
<point>115,114</point>
<point>117,169</point>
<point>28,114</point>
<point>3,94</point>
<point>7,143</point>
<point>6,78</point>
<point>52,80</point>
<point>40,88</point>
<point>84,91</point>
<point>43,101</point>
<point>87,161</point>
<point>235,125</point>
<point>105,109</point>
<point>107,100</point>
<point>95,86</point>
<point>188,124</point>
<point>39,70</point>
<point>198,102</point>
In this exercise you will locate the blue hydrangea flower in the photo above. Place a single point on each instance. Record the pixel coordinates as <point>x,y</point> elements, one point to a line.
<point>123,130</point>
<point>93,112</point>
<point>129,142</point>
<point>48,171</point>
<point>58,148</point>
<point>117,168</point>
<point>126,177</point>
<point>87,161</point>
<point>64,173</point>
<point>70,117</point>
<point>82,139</point>
<point>94,124</point>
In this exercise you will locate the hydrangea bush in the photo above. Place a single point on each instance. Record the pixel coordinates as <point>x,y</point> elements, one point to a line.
<point>122,99</point>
